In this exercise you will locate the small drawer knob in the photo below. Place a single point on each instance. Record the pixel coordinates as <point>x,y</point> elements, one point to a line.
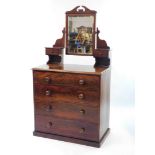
<point>82,111</point>
<point>81,96</point>
<point>81,82</point>
<point>48,92</point>
<point>82,130</point>
<point>48,108</point>
<point>47,80</point>
<point>49,125</point>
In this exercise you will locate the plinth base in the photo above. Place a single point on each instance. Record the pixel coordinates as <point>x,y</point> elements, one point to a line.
<point>73,140</point>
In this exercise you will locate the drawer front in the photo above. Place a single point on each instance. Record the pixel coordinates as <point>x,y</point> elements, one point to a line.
<point>67,111</point>
<point>66,127</point>
<point>69,79</point>
<point>66,94</point>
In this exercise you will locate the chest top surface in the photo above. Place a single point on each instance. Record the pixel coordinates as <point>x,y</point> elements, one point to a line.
<point>71,68</point>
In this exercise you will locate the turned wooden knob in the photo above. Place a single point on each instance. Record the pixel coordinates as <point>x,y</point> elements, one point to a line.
<point>49,125</point>
<point>47,80</point>
<point>81,82</point>
<point>81,96</point>
<point>48,92</point>
<point>82,130</point>
<point>82,111</point>
<point>48,108</point>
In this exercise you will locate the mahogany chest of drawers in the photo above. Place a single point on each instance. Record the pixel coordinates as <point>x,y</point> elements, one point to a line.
<point>71,103</point>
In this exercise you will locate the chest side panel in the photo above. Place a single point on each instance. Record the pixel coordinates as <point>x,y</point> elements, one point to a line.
<point>104,102</point>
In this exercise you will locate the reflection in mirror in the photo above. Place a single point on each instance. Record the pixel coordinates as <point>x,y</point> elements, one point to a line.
<point>80,35</point>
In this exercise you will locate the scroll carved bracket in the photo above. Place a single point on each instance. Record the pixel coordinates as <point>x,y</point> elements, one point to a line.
<point>100,42</point>
<point>60,42</point>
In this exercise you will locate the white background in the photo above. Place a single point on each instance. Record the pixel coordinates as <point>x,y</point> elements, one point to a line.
<point>27,26</point>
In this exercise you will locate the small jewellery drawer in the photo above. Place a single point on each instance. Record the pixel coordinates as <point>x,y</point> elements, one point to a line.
<point>69,79</point>
<point>67,111</point>
<point>66,94</point>
<point>67,127</point>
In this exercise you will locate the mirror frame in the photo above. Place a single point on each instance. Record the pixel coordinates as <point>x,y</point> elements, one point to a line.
<point>81,12</point>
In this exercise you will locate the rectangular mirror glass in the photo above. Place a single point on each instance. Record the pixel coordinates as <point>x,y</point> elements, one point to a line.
<point>80,35</point>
